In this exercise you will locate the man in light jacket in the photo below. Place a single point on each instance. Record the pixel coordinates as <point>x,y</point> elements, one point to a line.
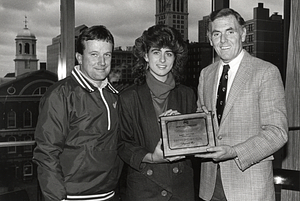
<point>253,125</point>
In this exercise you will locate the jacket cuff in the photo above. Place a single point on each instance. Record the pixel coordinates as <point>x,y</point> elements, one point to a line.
<point>136,160</point>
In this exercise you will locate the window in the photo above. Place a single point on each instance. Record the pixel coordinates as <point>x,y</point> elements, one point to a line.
<point>11,90</point>
<point>13,149</point>
<point>27,118</point>
<point>27,48</point>
<point>11,119</point>
<point>20,48</point>
<point>27,148</point>
<point>40,91</point>
<point>27,64</point>
<point>27,171</point>
<point>174,6</point>
<point>251,38</point>
<point>250,28</point>
<point>250,49</point>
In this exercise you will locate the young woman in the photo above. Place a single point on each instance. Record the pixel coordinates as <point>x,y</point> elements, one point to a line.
<point>160,55</point>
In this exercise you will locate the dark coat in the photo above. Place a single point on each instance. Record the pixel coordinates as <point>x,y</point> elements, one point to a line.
<point>76,138</point>
<point>140,131</point>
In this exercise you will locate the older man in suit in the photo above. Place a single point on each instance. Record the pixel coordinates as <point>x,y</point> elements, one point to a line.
<point>250,116</point>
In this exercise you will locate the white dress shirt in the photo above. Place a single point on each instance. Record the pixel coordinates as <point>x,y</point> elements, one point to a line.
<point>234,66</point>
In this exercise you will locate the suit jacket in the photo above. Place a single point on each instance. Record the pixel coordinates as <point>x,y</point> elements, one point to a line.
<point>140,132</point>
<point>254,123</point>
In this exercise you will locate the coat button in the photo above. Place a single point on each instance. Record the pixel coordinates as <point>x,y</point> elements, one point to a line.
<point>164,193</point>
<point>220,137</point>
<point>175,170</point>
<point>149,172</point>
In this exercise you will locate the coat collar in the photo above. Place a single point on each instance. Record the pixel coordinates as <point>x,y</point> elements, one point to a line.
<point>86,84</point>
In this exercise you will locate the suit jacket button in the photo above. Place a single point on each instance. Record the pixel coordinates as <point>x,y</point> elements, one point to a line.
<point>164,193</point>
<point>220,137</point>
<point>149,172</point>
<point>175,170</point>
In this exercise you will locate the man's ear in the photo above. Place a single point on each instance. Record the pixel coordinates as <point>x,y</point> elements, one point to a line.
<point>244,33</point>
<point>208,35</point>
<point>79,57</point>
<point>210,41</point>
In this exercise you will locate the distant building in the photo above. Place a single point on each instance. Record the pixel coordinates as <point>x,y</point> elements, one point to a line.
<point>122,63</point>
<point>219,4</point>
<point>199,56</point>
<point>53,50</point>
<point>19,101</point>
<point>173,13</point>
<point>53,55</point>
<point>202,30</point>
<point>20,94</point>
<point>26,60</point>
<point>265,36</point>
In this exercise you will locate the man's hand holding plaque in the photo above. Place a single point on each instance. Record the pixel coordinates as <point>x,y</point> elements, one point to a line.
<point>219,153</point>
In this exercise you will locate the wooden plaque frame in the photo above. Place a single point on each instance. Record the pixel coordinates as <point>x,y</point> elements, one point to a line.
<point>187,134</point>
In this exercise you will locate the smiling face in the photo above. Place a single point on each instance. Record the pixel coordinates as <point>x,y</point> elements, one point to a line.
<point>226,36</point>
<point>160,62</point>
<point>95,62</point>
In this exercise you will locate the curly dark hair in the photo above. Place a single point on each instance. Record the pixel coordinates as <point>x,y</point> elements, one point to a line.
<point>159,36</point>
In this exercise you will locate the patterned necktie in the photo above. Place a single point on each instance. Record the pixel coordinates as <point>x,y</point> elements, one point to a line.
<point>222,92</point>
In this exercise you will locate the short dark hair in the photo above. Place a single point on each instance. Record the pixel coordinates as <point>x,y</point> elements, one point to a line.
<point>98,32</point>
<point>223,13</point>
<point>159,36</point>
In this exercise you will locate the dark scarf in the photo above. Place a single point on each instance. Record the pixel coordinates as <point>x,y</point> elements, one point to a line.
<point>160,91</point>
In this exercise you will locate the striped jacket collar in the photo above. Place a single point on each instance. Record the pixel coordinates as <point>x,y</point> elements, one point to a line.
<point>86,84</point>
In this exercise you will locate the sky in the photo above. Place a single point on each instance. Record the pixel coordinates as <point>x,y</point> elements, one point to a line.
<point>126,19</point>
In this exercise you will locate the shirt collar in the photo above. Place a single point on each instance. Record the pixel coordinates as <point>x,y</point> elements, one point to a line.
<point>235,63</point>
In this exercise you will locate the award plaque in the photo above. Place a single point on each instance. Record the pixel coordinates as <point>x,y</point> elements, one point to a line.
<point>187,134</point>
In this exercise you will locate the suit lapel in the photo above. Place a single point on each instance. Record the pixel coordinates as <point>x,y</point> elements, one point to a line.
<point>242,76</point>
<point>210,82</point>
<point>211,86</point>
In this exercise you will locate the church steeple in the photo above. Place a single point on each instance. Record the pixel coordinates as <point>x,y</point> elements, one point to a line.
<point>25,60</point>
<point>25,21</point>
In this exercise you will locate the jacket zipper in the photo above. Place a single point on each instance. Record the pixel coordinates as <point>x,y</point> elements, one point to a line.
<point>106,105</point>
